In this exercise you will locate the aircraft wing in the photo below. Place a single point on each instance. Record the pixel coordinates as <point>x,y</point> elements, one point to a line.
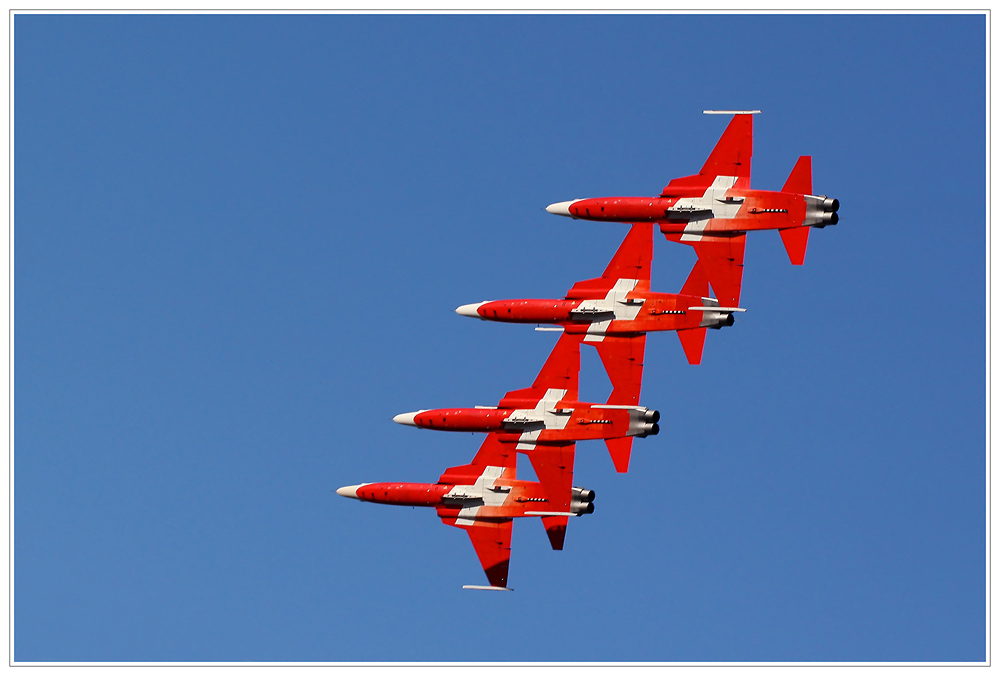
<point>631,262</point>
<point>561,371</point>
<point>553,464</point>
<point>731,155</point>
<point>622,357</point>
<point>491,540</point>
<point>721,257</point>
<point>493,453</point>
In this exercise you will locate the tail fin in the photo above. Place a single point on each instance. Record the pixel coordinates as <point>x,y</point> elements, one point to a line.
<point>621,452</point>
<point>800,181</point>
<point>631,261</point>
<point>555,528</point>
<point>693,342</point>
<point>795,240</point>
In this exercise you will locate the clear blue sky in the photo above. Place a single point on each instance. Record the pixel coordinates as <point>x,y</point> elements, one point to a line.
<point>239,242</point>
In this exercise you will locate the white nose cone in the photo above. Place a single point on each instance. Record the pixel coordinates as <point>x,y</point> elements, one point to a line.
<point>561,208</point>
<point>350,491</point>
<point>470,310</point>
<point>407,418</point>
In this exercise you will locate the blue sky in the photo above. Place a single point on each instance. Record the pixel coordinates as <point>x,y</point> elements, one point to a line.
<point>238,244</point>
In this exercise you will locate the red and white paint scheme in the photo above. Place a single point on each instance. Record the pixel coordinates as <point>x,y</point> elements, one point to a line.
<point>549,412</point>
<point>485,496</point>
<point>713,210</point>
<point>614,312</point>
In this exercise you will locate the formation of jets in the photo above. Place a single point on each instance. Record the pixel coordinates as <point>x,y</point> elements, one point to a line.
<point>711,211</point>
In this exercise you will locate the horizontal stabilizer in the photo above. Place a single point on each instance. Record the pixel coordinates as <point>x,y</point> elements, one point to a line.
<point>555,528</point>
<point>621,452</point>
<point>717,308</point>
<point>484,587</point>
<point>693,342</point>
<point>800,181</point>
<point>795,240</point>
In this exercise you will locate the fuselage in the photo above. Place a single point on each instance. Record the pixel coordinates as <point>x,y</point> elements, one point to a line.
<point>642,313</point>
<point>727,210</point>
<point>552,421</point>
<point>490,496</point>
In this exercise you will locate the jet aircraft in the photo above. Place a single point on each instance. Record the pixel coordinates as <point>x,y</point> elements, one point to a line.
<point>713,210</point>
<point>614,312</point>
<point>485,496</point>
<point>549,412</point>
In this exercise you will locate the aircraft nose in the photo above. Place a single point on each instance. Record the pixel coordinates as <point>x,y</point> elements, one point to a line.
<point>470,310</point>
<point>406,418</point>
<point>350,491</point>
<point>561,208</point>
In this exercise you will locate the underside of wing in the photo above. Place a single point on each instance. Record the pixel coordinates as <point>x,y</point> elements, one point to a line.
<point>553,465</point>
<point>721,257</point>
<point>731,155</point>
<point>561,371</point>
<point>494,453</point>
<point>491,540</point>
<point>622,357</point>
<point>631,261</point>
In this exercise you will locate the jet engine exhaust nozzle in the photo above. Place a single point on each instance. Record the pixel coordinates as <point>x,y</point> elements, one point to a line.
<point>582,501</point>
<point>648,429</point>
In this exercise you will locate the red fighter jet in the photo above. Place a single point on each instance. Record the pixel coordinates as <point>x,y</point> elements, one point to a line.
<point>484,497</point>
<point>549,412</point>
<point>615,311</point>
<point>713,210</point>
